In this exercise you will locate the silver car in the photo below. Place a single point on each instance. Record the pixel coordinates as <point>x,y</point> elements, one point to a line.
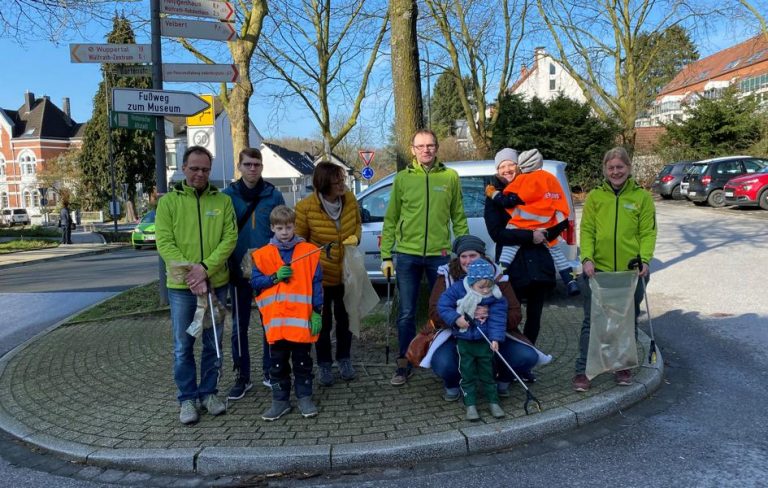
<point>474,175</point>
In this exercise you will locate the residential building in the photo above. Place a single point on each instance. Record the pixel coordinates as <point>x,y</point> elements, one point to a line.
<point>545,79</point>
<point>744,65</point>
<point>37,132</point>
<point>290,171</point>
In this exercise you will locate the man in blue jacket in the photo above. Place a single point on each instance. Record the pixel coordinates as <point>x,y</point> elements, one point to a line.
<point>253,199</point>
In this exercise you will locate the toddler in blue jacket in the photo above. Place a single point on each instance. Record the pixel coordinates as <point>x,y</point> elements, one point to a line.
<point>461,300</point>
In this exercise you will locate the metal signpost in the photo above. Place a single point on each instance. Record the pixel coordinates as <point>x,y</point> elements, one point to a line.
<point>156,102</point>
<point>110,53</point>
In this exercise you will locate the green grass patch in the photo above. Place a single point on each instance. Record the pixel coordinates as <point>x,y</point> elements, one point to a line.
<point>25,245</point>
<point>140,299</point>
<point>33,231</point>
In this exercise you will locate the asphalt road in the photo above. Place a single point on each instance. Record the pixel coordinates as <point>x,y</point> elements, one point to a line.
<point>705,428</point>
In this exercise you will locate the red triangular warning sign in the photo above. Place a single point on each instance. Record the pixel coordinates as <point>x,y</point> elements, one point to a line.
<point>366,156</point>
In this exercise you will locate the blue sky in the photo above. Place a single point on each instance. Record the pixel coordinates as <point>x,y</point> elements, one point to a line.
<point>44,68</point>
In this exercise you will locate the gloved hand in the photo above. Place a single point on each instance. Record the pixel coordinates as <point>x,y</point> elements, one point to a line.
<point>283,273</point>
<point>491,191</point>
<point>351,241</point>
<point>387,268</point>
<point>317,323</point>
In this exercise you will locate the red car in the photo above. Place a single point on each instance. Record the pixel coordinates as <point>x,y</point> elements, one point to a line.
<point>748,190</point>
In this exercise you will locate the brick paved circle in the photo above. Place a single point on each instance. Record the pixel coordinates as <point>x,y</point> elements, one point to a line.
<point>109,385</point>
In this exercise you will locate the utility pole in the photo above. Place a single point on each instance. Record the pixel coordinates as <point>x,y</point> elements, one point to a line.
<point>161,178</point>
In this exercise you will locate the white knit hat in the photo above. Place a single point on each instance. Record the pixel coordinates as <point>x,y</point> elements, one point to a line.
<point>506,154</point>
<point>530,160</point>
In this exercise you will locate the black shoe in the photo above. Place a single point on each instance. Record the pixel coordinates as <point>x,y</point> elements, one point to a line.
<point>241,386</point>
<point>573,288</point>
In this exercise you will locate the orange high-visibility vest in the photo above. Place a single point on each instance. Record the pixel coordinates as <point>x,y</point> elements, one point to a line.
<point>286,308</point>
<point>545,203</point>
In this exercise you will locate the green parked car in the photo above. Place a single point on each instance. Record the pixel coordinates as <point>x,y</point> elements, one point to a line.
<point>144,233</point>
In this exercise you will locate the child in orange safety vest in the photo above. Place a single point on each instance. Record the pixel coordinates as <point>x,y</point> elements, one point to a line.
<point>535,200</point>
<point>288,284</point>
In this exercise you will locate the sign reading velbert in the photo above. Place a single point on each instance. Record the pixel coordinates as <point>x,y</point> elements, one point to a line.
<point>215,31</point>
<point>156,102</point>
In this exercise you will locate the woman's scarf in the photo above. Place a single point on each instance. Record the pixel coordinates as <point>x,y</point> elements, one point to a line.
<point>333,209</point>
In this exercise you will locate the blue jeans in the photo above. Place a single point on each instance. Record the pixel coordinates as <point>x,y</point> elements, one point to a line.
<point>183,304</point>
<point>409,269</point>
<point>241,355</point>
<point>445,361</point>
<point>586,291</point>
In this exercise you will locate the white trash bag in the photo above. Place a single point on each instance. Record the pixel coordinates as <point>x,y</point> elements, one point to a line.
<point>612,344</point>
<point>359,295</point>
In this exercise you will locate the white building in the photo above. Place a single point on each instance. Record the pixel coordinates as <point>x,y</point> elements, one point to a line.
<point>546,79</point>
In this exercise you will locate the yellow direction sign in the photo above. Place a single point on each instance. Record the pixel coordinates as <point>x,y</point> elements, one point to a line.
<point>206,117</point>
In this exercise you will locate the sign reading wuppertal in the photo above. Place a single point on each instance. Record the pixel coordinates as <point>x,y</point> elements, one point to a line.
<point>156,102</point>
<point>110,53</point>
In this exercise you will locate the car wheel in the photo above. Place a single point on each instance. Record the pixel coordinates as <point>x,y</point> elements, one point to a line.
<point>716,198</point>
<point>676,195</point>
<point>762,200</point>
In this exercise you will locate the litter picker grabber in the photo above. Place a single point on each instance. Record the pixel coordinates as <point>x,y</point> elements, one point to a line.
<point>638,263</point>
<point>326,247</point>
<point>529,397</point>
<point>389,315</point>
<point>213,322</point>
<point>236,326</point>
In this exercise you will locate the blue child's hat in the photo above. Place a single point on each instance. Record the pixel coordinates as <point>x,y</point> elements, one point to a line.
<point>480,269</point>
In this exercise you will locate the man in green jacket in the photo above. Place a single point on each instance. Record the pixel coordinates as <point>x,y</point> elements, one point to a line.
<point>425,202</point>
<point>196,230</point>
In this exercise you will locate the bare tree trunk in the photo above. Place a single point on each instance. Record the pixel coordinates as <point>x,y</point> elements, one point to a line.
<point>406,78</point>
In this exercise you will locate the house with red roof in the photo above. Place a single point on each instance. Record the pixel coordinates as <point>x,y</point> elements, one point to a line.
<point>545,79</point>
<point>36,132</point>
<point>744,65</point>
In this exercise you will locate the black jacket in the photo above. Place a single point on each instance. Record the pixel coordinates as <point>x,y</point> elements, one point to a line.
<point>533,262</point>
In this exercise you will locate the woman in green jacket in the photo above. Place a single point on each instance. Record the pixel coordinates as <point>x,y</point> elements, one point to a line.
<point>331,214</point>
<point>618,223</point>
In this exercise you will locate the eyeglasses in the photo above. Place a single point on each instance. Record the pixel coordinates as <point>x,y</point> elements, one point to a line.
<point>252,165</point>
<point>195,169</point>
<point>423,147</point>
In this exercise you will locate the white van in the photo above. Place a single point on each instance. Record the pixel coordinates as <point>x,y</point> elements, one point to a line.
<point>475,175</point>
<point>13,216</point>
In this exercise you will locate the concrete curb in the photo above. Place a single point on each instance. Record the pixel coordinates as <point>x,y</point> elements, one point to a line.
<point>103,250</point>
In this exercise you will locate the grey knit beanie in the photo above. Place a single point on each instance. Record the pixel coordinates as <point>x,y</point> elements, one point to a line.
<point>506,154</point>
<point>468,243</point>
<point>530,160</point>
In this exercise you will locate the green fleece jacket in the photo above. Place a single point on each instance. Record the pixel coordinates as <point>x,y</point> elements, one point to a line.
<point>196,228</point>
<point>421,208</point>
<point>618,226</point>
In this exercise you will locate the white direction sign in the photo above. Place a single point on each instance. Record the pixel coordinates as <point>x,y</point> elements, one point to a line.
<point>227,73</point>
<point>199,8</point>
<point>196,29</point>
<point>156,102</point>
<point>110,53</point>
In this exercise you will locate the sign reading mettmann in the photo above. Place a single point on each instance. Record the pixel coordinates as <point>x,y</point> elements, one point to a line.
<point>157,102</point>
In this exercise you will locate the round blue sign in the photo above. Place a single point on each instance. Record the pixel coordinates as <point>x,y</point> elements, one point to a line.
<point>367,172</point>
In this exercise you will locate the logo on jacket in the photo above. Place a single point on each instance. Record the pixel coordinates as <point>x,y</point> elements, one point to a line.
<point>213,213</point>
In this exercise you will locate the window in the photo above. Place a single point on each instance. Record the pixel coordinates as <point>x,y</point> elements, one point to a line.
<point>170,160</point>
<point>2,166</point>
<point>27,161</point>
<point>728,168</point>
<point>552,85</point>
<point>473,189</point>
<point>374,206</point>
<point>753,165</point>
<point>4,199</point>
<point>551,69</point>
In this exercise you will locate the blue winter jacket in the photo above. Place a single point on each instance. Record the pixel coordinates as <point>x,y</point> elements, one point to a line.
<point>256,232</point>
<point>494,327</point>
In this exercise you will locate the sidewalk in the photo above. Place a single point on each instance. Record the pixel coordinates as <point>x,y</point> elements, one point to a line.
<point>83,244</point>
<point>102,393</point>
